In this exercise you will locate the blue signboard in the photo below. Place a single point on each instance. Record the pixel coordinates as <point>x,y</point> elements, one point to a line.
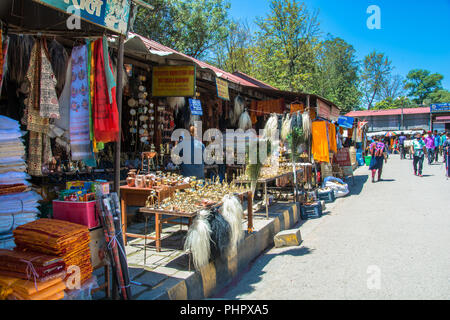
<point>346,122</point>
<point>110,14</point>
<point>196,107</point>
<point>441,107</point>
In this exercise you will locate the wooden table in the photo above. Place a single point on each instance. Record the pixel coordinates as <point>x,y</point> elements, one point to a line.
<point>131,196</point>
<point>266,181</point>
<point>173,215</point>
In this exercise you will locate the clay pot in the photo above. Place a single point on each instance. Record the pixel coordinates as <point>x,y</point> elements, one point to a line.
<point>131,182</point>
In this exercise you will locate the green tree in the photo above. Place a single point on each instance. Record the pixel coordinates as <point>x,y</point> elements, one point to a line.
<point>421,83</point>
<point>336,78</point>
<point>395,103</point>
<point>236,52</point>
<point>376,70</point>
<point>440,96</point>
<point>192,27</point>
<point>286,45</point>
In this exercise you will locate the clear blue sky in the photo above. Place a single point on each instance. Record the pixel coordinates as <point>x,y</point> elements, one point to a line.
<point>414,33</point>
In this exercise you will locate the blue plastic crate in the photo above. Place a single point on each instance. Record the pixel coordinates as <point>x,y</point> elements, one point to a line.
<point>328,196</point>
<point>311,211</point>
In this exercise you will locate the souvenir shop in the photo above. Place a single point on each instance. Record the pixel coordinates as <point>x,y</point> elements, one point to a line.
<point>59,123</point>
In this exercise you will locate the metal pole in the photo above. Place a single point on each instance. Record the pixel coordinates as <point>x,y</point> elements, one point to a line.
<point>119,107</point>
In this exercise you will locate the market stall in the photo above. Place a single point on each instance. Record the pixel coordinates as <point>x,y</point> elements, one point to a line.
<point>63,86</point>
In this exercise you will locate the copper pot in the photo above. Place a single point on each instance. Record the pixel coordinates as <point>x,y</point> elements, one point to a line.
<point>131,182</point>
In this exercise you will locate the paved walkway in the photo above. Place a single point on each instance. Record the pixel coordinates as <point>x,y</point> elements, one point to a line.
<point>388,240</point>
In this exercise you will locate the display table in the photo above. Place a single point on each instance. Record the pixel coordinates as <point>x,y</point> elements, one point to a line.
<point>266,181</point>
<point>173,215</point>
<point>137,197</point>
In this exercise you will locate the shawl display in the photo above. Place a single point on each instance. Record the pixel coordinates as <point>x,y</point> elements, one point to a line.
<point>105,114</point>
<point>66,240</point>
<point>79,106</point>
<point>3,58</point>
<point>64,101</point>
<point>332,138</point>
<point>48,106</point>
<point>28,290</point>
<point>320,148</point>
<point>37,125</point>
<point>20,264</point>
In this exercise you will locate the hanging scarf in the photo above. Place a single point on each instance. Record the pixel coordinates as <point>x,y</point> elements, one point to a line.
<point>79,106</point>
<point>110,81</point>
<point>1,59</point>
<point>49,107</point>
<point>4,63</point>
<point>106,115</point>
<point>37,125</point>
<point>320,142</point>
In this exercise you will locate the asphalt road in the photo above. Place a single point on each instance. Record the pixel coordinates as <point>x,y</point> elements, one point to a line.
<point>387,240</point>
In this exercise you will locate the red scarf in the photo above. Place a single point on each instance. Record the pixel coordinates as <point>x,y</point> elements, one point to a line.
<point>106,115</point>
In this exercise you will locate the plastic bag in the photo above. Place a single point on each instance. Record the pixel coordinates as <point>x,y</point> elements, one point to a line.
<point>339,187</point>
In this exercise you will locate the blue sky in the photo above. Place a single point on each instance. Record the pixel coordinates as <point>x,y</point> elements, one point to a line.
<point>414,33</point>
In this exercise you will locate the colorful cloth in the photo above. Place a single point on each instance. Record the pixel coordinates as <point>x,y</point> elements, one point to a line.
<point>320,148</point>
<point>79,106</point>
<point>49,106</point>
<point>418,147</point>
<point>332,137</point>
<point>106,115</point>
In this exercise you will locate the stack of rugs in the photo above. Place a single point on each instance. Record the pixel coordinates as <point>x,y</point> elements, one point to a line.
<point>66,240</point>
<point>19,205</point>
<point>31,276</point>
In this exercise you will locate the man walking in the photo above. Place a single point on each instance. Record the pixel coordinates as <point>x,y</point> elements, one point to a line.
<point>429,143</point>
<point>418,150</point>
<point>401,142</point>
<point>437,146</point>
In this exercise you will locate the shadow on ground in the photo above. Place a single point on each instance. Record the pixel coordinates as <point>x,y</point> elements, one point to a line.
<point>257,271</point>
<point>356,188</point>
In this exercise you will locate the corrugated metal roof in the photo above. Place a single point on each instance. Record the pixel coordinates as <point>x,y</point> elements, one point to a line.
<point>389,112</point>
<point>153,45</point>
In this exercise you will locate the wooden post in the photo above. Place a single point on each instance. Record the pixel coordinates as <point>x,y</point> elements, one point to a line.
<point>119,107</point>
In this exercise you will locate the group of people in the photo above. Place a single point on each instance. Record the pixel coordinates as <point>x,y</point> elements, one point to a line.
<point>431,144</point>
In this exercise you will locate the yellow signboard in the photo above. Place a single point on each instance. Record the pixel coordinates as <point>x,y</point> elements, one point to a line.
<point>173,81</point>
<point>222,89</point>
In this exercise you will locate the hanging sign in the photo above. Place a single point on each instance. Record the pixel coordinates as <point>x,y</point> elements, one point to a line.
<point>346,122</point>
<point>173,81</point>
<point>196,107</point>
<point>442,107</point>
<point>110,14</point>
<point>343,157</point>
<point>222,89</point>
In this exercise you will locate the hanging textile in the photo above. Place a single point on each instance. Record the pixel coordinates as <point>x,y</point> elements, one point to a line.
<point>79,106</point>
<point>3,57</point>
<point>64,101</point>
<point>49,106</point>
<point>332,137</point>
<point>106,115</point>
<point>37,125</point>
<point>110,81</point>
<point>320,142</point>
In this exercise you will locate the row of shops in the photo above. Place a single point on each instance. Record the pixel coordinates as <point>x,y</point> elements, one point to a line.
<point>87,118</point>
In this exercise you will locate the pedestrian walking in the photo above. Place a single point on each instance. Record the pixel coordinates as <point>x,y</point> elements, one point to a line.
<point>446,150</point>
<point>418,149</point>
<point>378,151</point>
<point>443,139</point>
<point>401,142</point>
<point>437,145</point>
<point>429,143</point>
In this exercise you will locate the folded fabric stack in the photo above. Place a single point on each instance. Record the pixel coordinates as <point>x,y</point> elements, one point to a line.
<point>19,289</point>
<point>31,265</point>
<point>63,239</point>
<point>19,204</point>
